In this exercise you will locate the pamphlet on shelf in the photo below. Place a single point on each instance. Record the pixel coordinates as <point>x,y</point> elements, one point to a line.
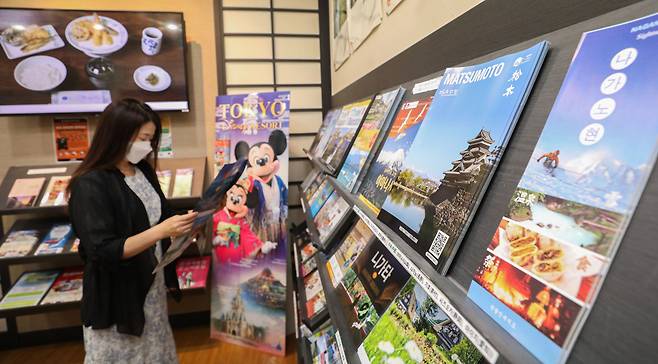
<point>355,240</point>
<point>24,192</point>
<point>320,197</point>
<point>308,251</point>
<point>368,287</point>
<point>385,168</point>
<point>67,287</point>
<point>330,216</point>
<point>183,183</point>
<point>56,239</point>
<point>324,346</point>
<point>372,131</point>
<point>549,256</point>
<point>341,138</point>
<point>415,329</point>
<point>192,272</point>
<point>55,194</point>
<point>164,178</point>
<point>29,289</point>
<point>19,243</point>
<point>312,284</point>
<point>447,169</point>
<point>308,267</point>
<point>475,337</point>
<point>315,304</point>
<point>319,144</point>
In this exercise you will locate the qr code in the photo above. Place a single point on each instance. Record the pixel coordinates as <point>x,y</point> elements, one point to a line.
<point>438,244</point>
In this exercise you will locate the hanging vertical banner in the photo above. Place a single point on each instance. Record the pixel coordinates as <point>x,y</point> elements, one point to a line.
<point>248,294</point>
<point>71,139</point>
<point>550,253</point>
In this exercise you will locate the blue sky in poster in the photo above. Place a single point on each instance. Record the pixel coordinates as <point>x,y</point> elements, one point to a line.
<point>607,173</point>
<point>457,119</point>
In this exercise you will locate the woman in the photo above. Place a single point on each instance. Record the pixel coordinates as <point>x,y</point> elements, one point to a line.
<point>124,223</point>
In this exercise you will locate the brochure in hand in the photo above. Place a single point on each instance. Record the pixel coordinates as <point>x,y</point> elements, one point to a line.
<point>210,202</point>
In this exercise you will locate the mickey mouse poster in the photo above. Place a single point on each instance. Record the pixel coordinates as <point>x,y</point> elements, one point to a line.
<point>249,228</point>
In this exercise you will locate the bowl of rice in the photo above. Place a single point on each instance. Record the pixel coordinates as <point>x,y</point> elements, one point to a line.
<point>40,73</point>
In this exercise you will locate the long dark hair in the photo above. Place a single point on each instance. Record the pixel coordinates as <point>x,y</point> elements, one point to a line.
<point>119,123</point>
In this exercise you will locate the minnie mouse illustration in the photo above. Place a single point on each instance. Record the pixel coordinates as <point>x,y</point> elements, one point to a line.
<point>233,238</point>
<point>267,199</point>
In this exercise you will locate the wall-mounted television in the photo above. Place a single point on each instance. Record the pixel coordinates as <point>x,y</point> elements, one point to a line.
<point>78,61</point>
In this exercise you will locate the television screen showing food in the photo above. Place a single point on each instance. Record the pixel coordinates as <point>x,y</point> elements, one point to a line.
<point>77,61</point>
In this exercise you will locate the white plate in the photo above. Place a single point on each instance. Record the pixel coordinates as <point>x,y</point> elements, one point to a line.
<point>140,75</point>
<point>40,73</point>
<point>14,52</point>
<point>88,46</point>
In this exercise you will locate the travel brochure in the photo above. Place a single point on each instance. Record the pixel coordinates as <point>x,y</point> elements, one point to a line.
<point>320,197</point>
<point>374,127</point>
<point>355,240</point>
<point>341,138</point>
<point>19,243</point>
<point>450,162</point>
<point>24,192</point>
<point>55,194</point>
<point>49,239</point>
<point>67,287</point>
<point>385,167</point>
<point>192,272</point>
<point>414,329</point>
<point>548,257</point>
<point>28,290</point>
<point>164,178</point>
<point>326,130</point>
<point>330,217</point>
<point>315,304</point>
<point>183,182</point>
<point>308,251</point>
<point>368,287</point>
<point>325,347</point>
<point>56,240</point>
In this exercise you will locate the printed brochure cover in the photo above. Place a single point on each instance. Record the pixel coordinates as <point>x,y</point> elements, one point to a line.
<point>356,239</point>
<point>330,216</point>
<point>375,124</point>
<point>384,169</point>
<point>451,160</point>
<point>19,243</point>
<point>326,129</point>
<point>368,287</point>
<point>250,239</point>
<point>414,330</point>
<point>29,289</point>
<point>192,272</point>
<point>551,251</point>
<point>320,197</point>
<point>58,237</point>
<point>341,138</point>
<point>67,287</point>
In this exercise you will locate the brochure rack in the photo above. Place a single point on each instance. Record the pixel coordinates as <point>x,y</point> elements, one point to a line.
<point>508,348</point>
<point>47,215</point>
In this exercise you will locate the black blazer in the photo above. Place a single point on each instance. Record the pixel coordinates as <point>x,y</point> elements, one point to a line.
<point>105,212</point>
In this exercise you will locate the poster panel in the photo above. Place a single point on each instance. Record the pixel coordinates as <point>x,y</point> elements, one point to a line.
<point>249,245</point>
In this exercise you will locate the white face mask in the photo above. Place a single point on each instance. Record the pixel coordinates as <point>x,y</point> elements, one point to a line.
<point>138,150</point>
